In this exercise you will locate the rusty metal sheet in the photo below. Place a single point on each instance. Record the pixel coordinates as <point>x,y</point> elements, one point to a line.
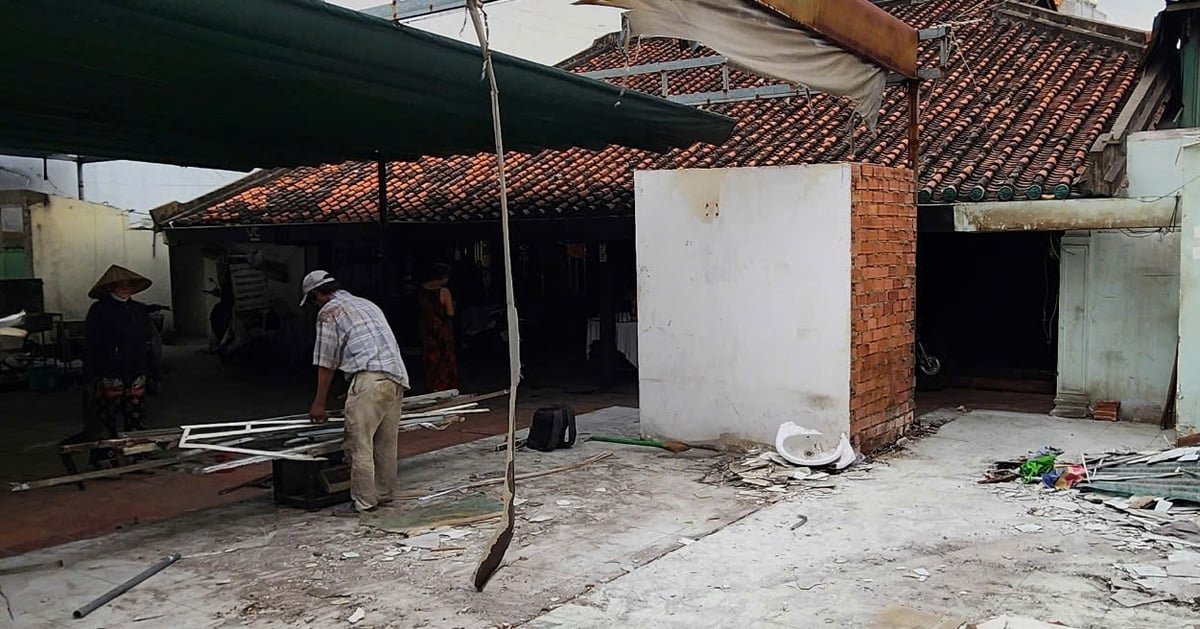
<point>858,26</point>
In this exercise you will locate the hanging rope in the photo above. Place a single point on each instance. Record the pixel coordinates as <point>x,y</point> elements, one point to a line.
<point>503,536</point>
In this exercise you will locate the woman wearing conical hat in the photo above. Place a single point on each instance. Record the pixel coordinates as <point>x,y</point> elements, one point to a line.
<point>119,354</point>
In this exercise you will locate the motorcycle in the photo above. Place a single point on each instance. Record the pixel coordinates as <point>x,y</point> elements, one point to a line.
<point>484,330</point>
<point>931,368</point>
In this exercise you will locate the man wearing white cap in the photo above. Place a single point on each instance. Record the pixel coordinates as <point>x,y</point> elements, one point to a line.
<point>353,336</point>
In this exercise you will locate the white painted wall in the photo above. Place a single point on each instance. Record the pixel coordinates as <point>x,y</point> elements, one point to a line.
<point>74,242</point>
<point>1159,164</point>
<point>1188,392</point>
<point>1155,165</point>
<point>136,186</point>
<point>1120,293</point>
<point>1132,319</point>
<point>1083,8</point>
<point>744,301</point>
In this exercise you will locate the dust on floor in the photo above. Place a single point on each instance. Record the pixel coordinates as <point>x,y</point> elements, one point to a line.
<point>638,540</point>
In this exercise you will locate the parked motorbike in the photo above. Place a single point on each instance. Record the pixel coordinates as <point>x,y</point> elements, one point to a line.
<point>483,330</point>
<point>157,322</point>
<point>930,368</point>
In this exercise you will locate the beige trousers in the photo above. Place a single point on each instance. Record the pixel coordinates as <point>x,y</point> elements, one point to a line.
<point>372,427</point>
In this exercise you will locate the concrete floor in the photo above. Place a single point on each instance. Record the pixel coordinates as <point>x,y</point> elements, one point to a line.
<point>196,389</point>
<point>856,553</point>
<point>654,548</point>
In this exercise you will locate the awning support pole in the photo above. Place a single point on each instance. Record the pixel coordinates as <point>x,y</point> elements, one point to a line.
<point>381,182</point>
<point>914,133</point>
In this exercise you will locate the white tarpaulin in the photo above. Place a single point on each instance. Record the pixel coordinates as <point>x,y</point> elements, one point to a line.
<point>762,42</point>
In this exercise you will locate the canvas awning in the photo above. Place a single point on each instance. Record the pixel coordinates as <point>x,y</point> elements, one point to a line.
<point>239,84</point>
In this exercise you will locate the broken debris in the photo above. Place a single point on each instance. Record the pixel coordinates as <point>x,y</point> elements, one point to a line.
<point>770,477</point>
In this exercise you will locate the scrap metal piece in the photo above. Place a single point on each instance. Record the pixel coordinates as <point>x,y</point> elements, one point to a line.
<point>126,586</point>
<point>58,563</point>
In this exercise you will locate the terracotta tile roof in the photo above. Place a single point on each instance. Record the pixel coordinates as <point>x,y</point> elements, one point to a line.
<point>1023,100</point>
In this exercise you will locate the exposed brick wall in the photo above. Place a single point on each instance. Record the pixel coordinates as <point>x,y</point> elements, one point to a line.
<point>883,228</point>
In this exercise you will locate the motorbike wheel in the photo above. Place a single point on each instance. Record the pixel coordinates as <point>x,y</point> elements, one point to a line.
<point>932,374</point>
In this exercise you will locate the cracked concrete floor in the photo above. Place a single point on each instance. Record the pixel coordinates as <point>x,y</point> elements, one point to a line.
<point>921,510</point>
<point>654,549</point>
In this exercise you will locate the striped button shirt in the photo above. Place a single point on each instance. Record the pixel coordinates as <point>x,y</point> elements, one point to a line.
<point>353,336</point>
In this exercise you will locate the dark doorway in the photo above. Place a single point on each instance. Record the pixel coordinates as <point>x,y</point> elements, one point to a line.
<point>987,304</point>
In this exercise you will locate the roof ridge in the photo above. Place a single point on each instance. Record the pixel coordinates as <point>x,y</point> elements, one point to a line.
<point>600,45</point>
<point>174,210</point>
<point>1095,30</point>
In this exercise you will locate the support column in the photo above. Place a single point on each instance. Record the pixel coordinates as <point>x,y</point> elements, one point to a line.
<point>608,313</point>
<point>914,132</point>
<point>382,203</point>
<point>1187,400</point>
<point>1072,398</point>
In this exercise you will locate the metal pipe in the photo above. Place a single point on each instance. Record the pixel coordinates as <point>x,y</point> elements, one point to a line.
<point>79,177</point>
<point>126,586</point>
<point>382,201</point>
<point>914,130</point>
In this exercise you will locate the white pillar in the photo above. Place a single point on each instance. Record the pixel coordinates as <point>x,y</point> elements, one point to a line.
<point>1072,399</point>
<point>1188,390</point>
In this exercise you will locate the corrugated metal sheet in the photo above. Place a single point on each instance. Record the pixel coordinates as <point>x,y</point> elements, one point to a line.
<point>1172,474</point>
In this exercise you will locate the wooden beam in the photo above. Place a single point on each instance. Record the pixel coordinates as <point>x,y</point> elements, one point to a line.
<point>858,26</point>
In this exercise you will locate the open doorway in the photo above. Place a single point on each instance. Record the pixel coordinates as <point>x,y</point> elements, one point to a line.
<point>987,307</point>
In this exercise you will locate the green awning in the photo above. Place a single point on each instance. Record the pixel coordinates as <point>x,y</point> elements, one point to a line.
<point>239,84</point>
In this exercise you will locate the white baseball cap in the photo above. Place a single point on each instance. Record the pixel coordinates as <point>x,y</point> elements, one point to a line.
<point>313,280</point>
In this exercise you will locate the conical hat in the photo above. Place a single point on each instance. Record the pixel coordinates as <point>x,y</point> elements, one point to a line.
<point>116,274</point>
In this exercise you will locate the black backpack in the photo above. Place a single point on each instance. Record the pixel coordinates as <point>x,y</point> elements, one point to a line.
<point>552,428</point>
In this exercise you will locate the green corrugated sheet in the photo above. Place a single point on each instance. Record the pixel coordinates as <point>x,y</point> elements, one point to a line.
<point>1189,60</point>
<point>261,83</point>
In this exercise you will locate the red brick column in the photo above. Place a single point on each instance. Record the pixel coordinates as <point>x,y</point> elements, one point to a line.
<point>883,228</point>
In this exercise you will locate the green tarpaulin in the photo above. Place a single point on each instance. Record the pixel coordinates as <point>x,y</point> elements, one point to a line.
<point>261,83</point>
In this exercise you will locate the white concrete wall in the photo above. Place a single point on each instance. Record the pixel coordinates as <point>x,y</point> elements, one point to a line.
<point>1160,163</point>
<point>744,301</point>
<point>1188,392</point>
<point>1132,319</point>
<point>136,186</point>
<point>74,242</point>
<point>1083,8</point>
<point>1155,163</point>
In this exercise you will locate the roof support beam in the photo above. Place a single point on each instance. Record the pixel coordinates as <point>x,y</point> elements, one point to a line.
<point>858,26</point>
<point>781,90</point>
<point>1115,213</point>
<point>727,95</point>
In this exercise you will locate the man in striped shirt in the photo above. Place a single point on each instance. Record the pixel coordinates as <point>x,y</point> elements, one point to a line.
<point>353,336</point>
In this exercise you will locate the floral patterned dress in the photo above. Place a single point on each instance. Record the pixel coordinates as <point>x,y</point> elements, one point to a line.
<point>437,336</point>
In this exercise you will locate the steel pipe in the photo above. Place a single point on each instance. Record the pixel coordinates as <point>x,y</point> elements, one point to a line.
<point>126,586</point>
